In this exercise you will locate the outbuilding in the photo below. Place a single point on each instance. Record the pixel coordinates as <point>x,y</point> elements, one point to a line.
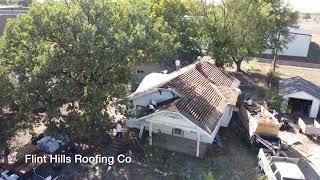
<point>301,96</point>
<point>298,46</point>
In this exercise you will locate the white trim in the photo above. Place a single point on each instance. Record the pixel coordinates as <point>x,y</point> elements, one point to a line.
<point>149,115</point>
<point>198,144</point>
<point>198,128</point>
<point>150,133</point>
<point>151,90</point>
<point>181,127</point>
<point>288,96</point>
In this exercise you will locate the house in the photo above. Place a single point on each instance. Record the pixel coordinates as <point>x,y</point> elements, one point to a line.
<point>187,106</point>
<point>298,46</point>
<point>169,64</point>
<point>302,96</point>
<point>9,12</point>
<point>142,70</point>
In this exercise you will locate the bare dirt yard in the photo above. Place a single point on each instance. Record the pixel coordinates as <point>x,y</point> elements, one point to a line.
<point>286,71</point>
<point>235,161</point>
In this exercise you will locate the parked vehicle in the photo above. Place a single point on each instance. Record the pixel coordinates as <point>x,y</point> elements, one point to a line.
<point>309,126</point>
<point>261,127</point>
<point>285,168</point>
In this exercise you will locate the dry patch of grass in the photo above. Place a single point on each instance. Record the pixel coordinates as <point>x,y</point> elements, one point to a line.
<point>310,74</point>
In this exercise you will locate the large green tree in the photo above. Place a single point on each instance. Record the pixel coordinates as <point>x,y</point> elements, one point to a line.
<point>280,20</point>
<point>235,30</point>
<point>178,15</point>
<point>80,54</point>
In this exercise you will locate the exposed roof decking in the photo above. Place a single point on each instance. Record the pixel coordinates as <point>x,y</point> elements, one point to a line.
<point>204,91</point>
<point>201,102</point>
<point>218,76</point>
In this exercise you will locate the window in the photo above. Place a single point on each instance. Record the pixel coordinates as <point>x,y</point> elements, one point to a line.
<point>273,168</point>
<point>177,131</point>
<point>140,72</point>
<point>278,176</point>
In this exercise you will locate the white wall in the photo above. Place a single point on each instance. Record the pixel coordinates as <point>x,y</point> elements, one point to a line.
<point>165,121</point>
<point>147,69</point>
<point>227,116</point>
<point>145,99</point>
<point>305,96</point>
<point>299,46</point>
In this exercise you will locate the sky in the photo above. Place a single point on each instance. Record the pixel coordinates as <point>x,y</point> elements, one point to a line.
<point>311,6</point>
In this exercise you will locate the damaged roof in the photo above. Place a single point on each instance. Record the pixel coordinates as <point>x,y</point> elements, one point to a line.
<point>205,90</point>
<point>297,84</point>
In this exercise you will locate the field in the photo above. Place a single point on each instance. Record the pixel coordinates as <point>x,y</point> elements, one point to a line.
<point>263,66</point>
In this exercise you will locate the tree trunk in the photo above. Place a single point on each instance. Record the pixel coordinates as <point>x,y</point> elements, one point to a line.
<point>274,63</point>
<point>238,63</point>
<point>275,54</point>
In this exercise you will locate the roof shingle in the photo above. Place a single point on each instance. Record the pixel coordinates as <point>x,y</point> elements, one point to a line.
<point>297,84</point>
<point>205,92</point>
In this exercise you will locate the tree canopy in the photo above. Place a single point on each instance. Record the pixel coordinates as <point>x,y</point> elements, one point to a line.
<point>235,30</point>
<point>72,60</point>
<point>306,16</point>
<point>281,18</point>
<point>81,54</point>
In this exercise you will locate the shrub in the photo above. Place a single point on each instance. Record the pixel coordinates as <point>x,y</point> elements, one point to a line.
<point>252,65</point>
<point>209,176</point>
<point>274,99</point>
<point>272,79</point>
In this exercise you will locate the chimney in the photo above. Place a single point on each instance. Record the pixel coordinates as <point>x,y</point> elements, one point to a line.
<point>178,64</point>
<point>199,66</point>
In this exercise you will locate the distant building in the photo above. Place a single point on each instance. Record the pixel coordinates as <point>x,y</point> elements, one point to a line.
<point>299,46</point>
<point>9,12</point>
<point>166,66</point>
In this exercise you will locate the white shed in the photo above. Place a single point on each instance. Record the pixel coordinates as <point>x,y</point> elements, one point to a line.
<point>298,46</point>
<point>302,96</point>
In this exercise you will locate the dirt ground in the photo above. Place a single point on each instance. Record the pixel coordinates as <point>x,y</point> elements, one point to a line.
<point>255,75</point>
<point>235,161</point>
<point>303,145</point>
<point>284,71</point>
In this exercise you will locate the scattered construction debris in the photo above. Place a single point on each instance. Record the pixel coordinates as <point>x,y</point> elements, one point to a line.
<point>43,146</point>
<point>309,126</point>
<point>262,127</point>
